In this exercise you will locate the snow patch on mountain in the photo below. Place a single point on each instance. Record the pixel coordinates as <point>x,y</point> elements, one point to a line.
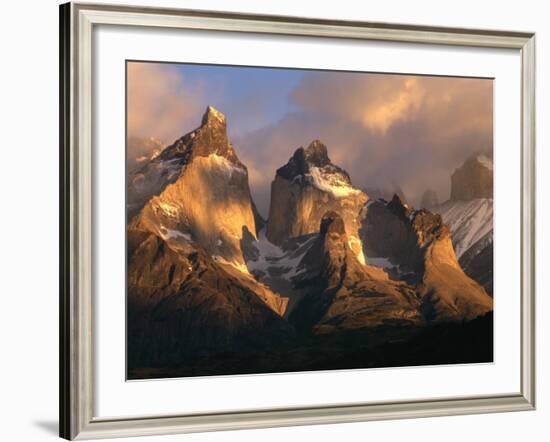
<point>382,262</point>
<point>469,221</point>
<point>273,258</point>
<point>235,264</point>
<point>168,209</point>
<point>355,243</point>
<point>174,234</point>
<point>394,270</point>
<point>333,183</point>
<point>156,172</point>
<point>223,164</point>
<point>216,114</point>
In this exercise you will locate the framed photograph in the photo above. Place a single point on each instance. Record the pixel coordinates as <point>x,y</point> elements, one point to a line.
<point>272,221</point>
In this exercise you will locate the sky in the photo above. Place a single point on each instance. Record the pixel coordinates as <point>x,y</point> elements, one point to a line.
<point>385,130</point>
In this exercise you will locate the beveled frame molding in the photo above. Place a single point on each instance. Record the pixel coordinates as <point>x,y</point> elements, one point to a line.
<point>77,21</point>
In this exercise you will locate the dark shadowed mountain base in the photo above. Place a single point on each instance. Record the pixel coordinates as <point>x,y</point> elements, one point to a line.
<point>458,343</point>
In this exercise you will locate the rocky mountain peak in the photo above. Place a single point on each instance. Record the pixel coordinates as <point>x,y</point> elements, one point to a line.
<point>308,187</point>
<point>316,154</point>
<point>313,156</point>
<point>213,116</point>
<point>210,138</point>
<point>296,166</point>
<point>341,293</point>
<point>330,255</point>
<point>197,191</point>
<point>428,227</point>
<point>474,179</point>
<point>397,231</point>
<point>399,207</point>
<point>418,248</point>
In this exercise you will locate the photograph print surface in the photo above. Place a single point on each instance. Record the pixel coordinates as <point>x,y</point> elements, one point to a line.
<point>283,220</point>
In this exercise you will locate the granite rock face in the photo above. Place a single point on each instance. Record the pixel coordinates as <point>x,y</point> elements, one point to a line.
<point>416,246</point>
<point>307,187</point>
<point>189,291</point>
<point>469,215</point>
<point>474,179</point>
<point>343,294</point>
<point>183,304</point>
<point>203,194</point>
<point>210,281</point>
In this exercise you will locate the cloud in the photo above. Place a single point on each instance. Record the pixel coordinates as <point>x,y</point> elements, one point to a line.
<point>381,101</point>
<point>376,101</point>
<point>159,105</point>
<point>385,130</point>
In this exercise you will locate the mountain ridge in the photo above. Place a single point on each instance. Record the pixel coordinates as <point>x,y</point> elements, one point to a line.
<point>307,187</point>
<point>208,278</point>
<point>470,218</point>
<point>209,200</point>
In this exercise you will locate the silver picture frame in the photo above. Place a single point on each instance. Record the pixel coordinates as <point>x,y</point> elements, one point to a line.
<point>77,22</point>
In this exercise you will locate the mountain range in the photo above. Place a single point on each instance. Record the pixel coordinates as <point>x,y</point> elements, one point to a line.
<point>334,278</point>
<point>469,215</point>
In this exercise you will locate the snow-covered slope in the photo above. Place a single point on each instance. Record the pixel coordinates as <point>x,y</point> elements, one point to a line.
<point>141,150</point>
<point>469,221</point>
<point>332,182</point>
<point>276,266</point>
<point>201,192</point>
<point>469,215</point>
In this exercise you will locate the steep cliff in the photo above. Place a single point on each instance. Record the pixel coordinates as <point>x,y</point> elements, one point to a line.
<point>343,294</point>
<point>415,246</point>
<point>306,188</point>
<point>201,195</point>
<point>182,305</point>
<point>474,179</point>
<point>469,215</point>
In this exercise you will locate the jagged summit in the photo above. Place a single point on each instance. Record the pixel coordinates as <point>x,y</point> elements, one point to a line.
<point>304,160</point>
<point>341,293</point>
<point>398,206</point>
<point>485,161</point>
<point>308,187</point>
<point>211,290</point>
<point>417,248</point>
<point>210,138</point>
<point>316,154</point>
<point>469,215</point>
<point>197,190</point>
<point>474,179</point>
<point>213,115</point>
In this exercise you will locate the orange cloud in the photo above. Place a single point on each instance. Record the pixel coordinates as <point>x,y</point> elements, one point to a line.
<point>380,101</point>
<point>382,112</point>
<point>385,130</point>
<point>158,104</point>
